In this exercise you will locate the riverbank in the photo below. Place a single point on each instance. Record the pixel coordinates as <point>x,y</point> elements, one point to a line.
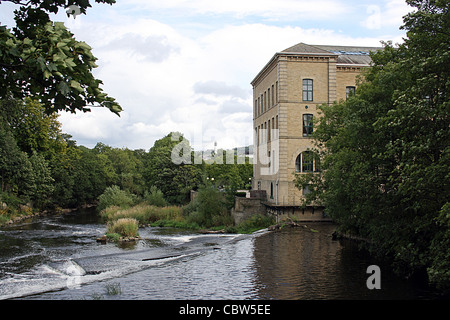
<point>10,216</point>
<point>179,217</point>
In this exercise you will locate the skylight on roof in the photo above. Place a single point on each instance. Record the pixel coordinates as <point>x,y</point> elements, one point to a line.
<point>355,53</point>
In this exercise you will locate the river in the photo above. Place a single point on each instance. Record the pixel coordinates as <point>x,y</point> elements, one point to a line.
<point>58,258</point>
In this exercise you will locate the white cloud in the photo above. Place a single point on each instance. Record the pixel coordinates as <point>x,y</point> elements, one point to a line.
<point>153,48</point>
<point>219,88</point>
<point>167,80</point>
<point>280,9</point>
<point>385,15</point>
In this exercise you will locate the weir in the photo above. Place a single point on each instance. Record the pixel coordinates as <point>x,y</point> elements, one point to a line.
<point>72,272</point>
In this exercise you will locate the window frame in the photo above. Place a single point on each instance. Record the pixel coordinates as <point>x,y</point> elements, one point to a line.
<point>349,91</point>
<point>307,162</point>
<point>308,129</point>
<point>271,190</point>
<point>308,89</point>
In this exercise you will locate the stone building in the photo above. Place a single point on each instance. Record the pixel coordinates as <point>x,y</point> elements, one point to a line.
<point>286,93</point>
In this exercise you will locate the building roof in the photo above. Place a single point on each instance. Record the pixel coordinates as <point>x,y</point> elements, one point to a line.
<point>346,54</point>
<point>305,48</point>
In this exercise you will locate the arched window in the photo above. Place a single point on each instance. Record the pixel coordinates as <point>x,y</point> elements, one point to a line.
<point>307,161</point>
<point>298,163</point>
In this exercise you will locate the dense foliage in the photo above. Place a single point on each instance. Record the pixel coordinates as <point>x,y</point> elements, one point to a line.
<point>43,168</point>
<point>385,151</point>
<point>42,59</point>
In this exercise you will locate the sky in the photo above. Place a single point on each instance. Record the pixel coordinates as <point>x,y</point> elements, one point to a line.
<point>186,65</point>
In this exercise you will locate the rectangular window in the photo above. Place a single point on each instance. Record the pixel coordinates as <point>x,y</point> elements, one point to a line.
<point>268,98</point>
<point>350,91</point>
<point>278,131</point>
<point>277,91</point>
<point>307,125</point>
<point>306,190</point>
<point>259,106</point>
<point>265,101</point>
<point>256,108</point>
<point>257,135</point>
<point>269,132</point>
<point>307,90</point>
<point>262,104</point>
<point>273,94</point>
<point>273,127</point>
<point>265,132</point>
<point>273,161</point>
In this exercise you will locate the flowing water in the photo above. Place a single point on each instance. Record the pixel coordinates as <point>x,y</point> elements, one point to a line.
<point>57,257</point>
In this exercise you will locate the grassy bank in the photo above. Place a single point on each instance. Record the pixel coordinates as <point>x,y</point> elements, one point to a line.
<point>11,215</point>
<point>179,217</point>
<point>144,214</point>
<point>123,228</point>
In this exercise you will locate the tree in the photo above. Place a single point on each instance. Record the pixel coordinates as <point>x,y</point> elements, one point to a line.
<point>122,167</point>
<point>210,207</point>
<point>386,150</point>
<point>15,169</point>
<point>114,196</point>
<point>155,197</point>
<point>173,179</point>
<point>62,171</point>
<point>43,182</point>
<point>42,59</point>
<point>33,129</point>
<point>88,173</point>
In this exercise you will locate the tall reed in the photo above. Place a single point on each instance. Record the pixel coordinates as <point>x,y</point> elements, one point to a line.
<point>143,213</point>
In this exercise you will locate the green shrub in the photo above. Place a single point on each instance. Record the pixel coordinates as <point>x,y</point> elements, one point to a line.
<point>439,269</point>
<point>196,217</point>
<point>208,208</point>
<point>255,223</point>
<point>143,213</point>
<point>108,213</point>
<point>4,218</point>
<point>114,237</point>
<point>155,197</point>
<point>10,199</point>
<point>190,208</point>
<point>176,224</point>
<point>222,219</point>
<point>126,227</point>
<point>114,196</point>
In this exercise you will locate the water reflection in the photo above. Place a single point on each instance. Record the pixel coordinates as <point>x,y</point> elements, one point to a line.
<point>298,263</point>
<point>290,264</point>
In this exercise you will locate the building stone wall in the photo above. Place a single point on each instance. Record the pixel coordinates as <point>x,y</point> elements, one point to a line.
<point>244,208</point>
<point>332,70</point>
